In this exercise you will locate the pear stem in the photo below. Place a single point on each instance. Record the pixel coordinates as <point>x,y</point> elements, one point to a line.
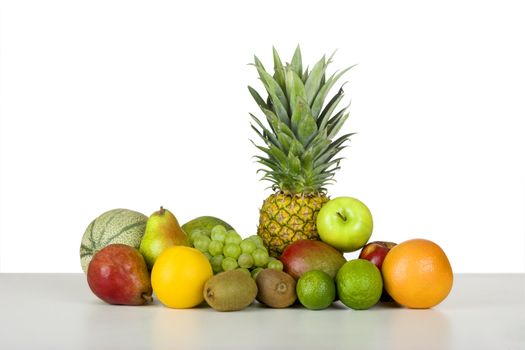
<point>162,210</point>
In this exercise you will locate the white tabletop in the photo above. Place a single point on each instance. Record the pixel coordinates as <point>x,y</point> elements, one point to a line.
<point>58,311</point>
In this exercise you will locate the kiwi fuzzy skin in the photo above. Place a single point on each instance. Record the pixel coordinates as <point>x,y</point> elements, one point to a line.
<point>276,289</point>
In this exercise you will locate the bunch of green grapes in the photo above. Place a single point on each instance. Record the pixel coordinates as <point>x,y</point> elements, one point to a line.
<point>226,250</point>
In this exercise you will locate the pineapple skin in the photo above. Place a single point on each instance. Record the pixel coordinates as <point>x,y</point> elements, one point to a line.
<point>286,218</point>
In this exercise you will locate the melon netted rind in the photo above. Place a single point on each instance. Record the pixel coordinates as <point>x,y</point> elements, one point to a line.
<point>114,226</point>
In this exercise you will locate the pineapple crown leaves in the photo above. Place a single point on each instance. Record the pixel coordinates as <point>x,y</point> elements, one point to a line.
<point>299,154</point>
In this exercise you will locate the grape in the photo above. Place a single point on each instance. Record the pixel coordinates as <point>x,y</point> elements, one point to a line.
<point>229,264</point>
<point>218,233</point>
<point>256,271</point>
<point>196,233</point>
<point>248,246</point>
<point>232,250</point>
<point>216,263</point>
<point>232,237</point>
<point>260,257</point>
<point>245,270</point>
<point>202,243</point>
<point>275,264</point>
<point>257,240</point>
<point>201,231</point>
<point>245,260</point>
<point>207,255</point>
<point>215,248</point>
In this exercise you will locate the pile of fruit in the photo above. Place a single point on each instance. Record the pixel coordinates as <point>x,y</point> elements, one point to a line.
<point>297,254</point>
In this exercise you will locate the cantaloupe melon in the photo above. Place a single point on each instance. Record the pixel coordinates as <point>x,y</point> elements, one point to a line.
<point>114,226</point>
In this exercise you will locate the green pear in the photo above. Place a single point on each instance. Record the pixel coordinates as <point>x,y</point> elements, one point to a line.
<point>162,231</point>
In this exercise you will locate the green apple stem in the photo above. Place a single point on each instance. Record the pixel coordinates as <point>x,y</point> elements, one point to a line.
<point>341,215</point>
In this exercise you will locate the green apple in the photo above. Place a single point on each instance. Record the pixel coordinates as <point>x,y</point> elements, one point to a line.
<point>345,223</point>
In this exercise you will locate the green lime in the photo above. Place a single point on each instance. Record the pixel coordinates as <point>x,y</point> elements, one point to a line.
<point>315,290</point>
<point>359,284</point>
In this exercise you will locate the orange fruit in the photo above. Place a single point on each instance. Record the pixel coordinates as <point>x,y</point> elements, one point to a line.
<point>178,277</point>
<point>417,274</point>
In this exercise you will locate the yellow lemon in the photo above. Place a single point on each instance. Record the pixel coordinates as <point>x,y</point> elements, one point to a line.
<point>178,277</point>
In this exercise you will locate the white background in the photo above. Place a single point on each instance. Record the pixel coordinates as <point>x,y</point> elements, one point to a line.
<point>134,104</point>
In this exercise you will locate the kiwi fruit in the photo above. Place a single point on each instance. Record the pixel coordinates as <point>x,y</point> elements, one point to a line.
<point>276,289</point>
<point>230,290</point>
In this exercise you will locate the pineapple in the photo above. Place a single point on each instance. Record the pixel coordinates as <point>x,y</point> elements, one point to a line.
<point>299,146</point>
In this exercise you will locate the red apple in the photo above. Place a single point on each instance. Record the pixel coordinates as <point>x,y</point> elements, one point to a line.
<point>118,274</point>
<point>305,255</point>
<point>375,252</point>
